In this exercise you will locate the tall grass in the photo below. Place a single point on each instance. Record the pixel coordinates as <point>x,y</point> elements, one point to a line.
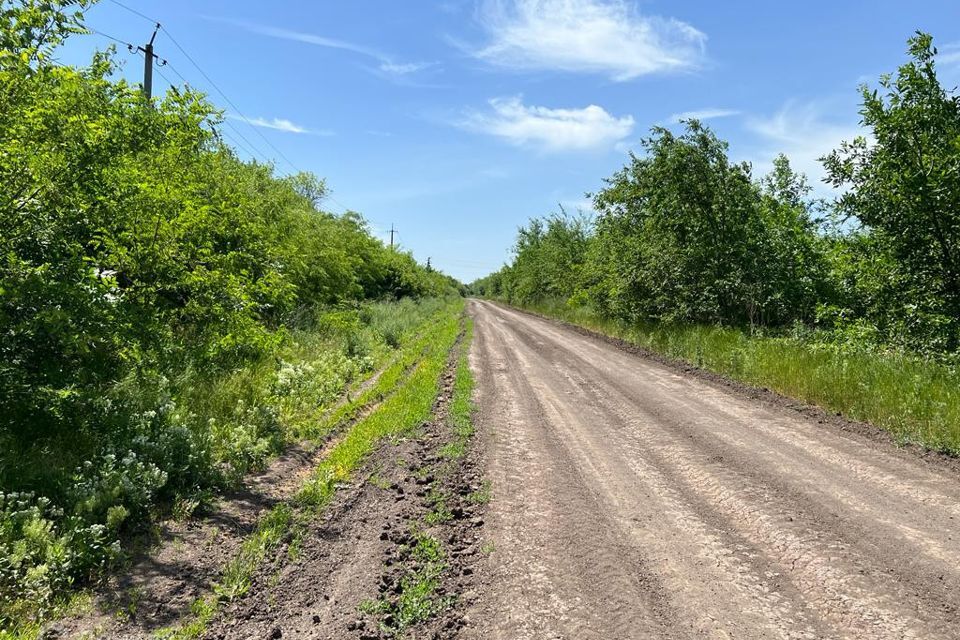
<point>915,399</point>
<point>406,409</point>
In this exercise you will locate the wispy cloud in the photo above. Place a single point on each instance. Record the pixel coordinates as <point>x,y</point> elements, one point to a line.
<point>385,63</point>
<point>404,68</point>
<point>551,129</point>
<point>802,132</point>
<point>703,114</point>
<point>949,54</point>
<point>577,205</point>
<point>607,37</point>
<point>281,124</point>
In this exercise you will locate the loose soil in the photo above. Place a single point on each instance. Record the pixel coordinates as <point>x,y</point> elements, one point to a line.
<point>353,553</point>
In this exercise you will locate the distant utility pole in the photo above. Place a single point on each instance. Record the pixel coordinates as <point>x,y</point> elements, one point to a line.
<point>148,57</point>
<point>392,231</point>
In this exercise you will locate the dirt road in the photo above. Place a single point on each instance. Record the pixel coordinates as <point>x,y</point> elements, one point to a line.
<point>632,501</point>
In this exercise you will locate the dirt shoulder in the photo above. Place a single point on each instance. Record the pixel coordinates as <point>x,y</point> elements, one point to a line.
<point>352,572</point>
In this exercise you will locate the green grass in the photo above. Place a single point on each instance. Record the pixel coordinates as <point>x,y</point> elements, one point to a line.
<point>461,405</point>
<point>388,381</point>
<point>271,530</point>
<point>406,408</point>
<point>915,399</point>
<point>400,413</point>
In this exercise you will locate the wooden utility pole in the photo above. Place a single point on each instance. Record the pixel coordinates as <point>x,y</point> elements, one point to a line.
<point>392,231</point>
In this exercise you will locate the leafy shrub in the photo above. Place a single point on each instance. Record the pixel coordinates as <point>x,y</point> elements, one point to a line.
<point>153,296</point>
<point>41,552</point>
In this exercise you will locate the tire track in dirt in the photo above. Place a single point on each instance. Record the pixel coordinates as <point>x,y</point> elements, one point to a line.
<point>884,497</point>
<point>355,551</point>
<point>692,462</point>
<point>534,487</point>
<point>182,564</point>
<point>750,520</point>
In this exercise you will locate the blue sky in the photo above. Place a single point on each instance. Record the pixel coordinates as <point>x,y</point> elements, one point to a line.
<point>457,120</point>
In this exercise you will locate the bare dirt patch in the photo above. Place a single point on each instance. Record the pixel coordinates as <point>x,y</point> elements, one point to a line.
<point>185,557</point>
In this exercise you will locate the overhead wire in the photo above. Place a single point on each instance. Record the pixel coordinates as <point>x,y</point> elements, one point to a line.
<point>109,37</point>
<point>229,101</point>
<point>249,145</point>
<point>131,10</point>
<point>215,86</point>
<point>250,148</point>
<point>252,151</point>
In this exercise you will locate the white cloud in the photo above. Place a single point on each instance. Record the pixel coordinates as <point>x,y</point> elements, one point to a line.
<point>386,64</point>
<point>280,124</point>
<point>703,114</point>
<point>608,37</point>
<point>309,38</point>
<point>403,68</point>
<point>804,134</point>
<point>552,129</point>
<point>949,55</point>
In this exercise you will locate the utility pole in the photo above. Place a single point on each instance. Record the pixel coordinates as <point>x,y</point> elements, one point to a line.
<point>148,57</point>
<point>392,231</point>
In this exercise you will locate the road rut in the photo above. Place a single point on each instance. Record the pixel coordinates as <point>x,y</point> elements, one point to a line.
<point>631,501</point>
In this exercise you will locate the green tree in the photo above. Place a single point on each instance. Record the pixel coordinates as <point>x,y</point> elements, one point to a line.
<point>548,256</point>
<point>678,233</point>
<point>903,185</point>
<point>792,264</point>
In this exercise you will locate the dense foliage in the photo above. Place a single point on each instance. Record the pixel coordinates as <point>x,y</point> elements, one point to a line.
<point>684,235</point>
<point>167,310</point>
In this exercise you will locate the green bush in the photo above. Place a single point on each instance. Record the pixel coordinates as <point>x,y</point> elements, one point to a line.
<point>171,315</point>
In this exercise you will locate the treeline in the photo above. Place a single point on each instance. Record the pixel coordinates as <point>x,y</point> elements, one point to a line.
<point>684,235</point>
<point>140,259</point>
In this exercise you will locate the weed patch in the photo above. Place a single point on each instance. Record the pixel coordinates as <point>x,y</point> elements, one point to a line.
<point>400,413</point>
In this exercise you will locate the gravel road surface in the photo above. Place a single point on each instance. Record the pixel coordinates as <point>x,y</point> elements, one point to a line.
<point>633,501</point>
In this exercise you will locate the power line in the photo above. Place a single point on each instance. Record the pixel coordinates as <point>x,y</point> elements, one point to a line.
<point>162,75</point>
<point>338,203</point>
<point>229,101</point>
<point>214,85</point>
<point>236,143</point>
<point>109,37</point>
<point>134,11</point>
<point>256,152</point>
<point>247,146</point>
